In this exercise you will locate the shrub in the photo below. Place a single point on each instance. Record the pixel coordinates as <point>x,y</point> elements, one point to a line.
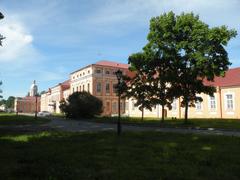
<point>81,104</point>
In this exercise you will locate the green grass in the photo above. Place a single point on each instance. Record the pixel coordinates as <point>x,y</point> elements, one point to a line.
<point>142,155</point>
<point>10,119</point>
<point>176,123</point>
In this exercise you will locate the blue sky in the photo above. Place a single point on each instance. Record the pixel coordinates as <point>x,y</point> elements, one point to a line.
<point>48,39</point>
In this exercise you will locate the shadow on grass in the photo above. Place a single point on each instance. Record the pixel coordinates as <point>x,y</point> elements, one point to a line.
<point>148,155</point>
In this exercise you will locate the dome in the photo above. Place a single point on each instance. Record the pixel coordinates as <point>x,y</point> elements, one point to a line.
<point>33,89</point>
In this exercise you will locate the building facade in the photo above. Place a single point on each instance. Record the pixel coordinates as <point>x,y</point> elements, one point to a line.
<point>50,100</point>
<point>28,104</point>
<point>100,80</point>
<point>224,104</point>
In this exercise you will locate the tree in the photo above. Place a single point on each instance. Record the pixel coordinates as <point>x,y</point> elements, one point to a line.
<point>138,87</point>
<point>201,55</point>
<point>81,104</point>
<point>155,62</point>
<point>182,52</point>
<point>197,52</point>
<point>10,102</point>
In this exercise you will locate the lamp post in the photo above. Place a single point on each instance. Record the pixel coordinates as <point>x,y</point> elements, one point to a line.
<point>36,106</point>
<point>119,78</point>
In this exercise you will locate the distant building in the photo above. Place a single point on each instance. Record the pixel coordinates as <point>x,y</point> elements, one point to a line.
<point>99,79</point>
<point>28,104</point>
<point>50,100</point>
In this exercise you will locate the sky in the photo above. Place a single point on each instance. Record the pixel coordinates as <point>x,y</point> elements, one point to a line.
<point>46,40</point>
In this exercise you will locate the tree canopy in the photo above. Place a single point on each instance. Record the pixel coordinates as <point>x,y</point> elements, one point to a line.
<point>181,53</point>
<point>81,104</point>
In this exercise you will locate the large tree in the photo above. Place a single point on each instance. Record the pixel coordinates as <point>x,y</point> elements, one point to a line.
<point>155,62</point>
<point>201,55</point>
<point>138,87</point>
<point>182,52</point>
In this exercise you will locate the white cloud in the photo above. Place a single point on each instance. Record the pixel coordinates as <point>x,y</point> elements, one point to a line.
<point>18,42</point>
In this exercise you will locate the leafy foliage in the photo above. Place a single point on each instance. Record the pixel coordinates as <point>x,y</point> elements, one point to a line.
<point>182,52</point>
<point>81,104</point>
<point>10,102</point>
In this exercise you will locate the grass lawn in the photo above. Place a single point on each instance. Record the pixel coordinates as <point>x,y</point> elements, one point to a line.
<point>142,155</point>
<point>7,119</point>
<point>173,123</point>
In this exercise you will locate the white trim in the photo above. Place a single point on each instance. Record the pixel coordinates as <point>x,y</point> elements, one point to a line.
<point>209,103</point>
<point>225,101</point>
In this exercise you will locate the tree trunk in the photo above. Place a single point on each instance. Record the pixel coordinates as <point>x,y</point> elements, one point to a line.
<point>142,114</point>
<point>186,112</point>
<point>162,113</point>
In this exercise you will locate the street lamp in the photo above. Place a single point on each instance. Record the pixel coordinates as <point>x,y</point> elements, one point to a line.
<point>119,78</point>
<point>36,106</point>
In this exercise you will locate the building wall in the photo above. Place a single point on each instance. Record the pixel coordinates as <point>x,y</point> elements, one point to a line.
<point>27,105</point>
<point>50,101</point>
<point>99,81</point>
<point>225,104</point>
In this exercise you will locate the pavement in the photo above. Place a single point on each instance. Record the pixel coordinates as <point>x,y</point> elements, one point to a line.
<point>86,126</point>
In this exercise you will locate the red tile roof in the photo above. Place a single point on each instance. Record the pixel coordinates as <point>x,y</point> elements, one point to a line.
<point>112,64</point>
<point>231,78</point>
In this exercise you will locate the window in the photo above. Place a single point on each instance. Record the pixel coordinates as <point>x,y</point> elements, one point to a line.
<point>108,106</point>
<point>83,73</point>
<point>98,71</point>
<point>80,88</point>
<point>122,105</point>
<point>99,87</point>
<point>77,88</point>
<point>133,105</point>
<point>107,72</point>
<point>114,106</point>
<point>126,105</point>
<point>198,105</point>
<point>212,102</point>
<point>115,88</point>
<point>88,87</point>
<point>83,88</point>
<point>88,71</point>
<point>73,89</point>
<point>174,105</point>
<point>229,98</point>
<point>107,88</point>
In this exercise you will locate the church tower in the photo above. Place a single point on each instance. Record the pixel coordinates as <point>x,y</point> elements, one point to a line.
<point>33,89</point>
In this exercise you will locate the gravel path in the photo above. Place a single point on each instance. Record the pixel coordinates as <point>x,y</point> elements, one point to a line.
<point>83,126</point>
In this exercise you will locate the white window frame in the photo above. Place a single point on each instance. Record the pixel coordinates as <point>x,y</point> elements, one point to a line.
<point>197,105</point>
<point>174,105</point>
<point>226,101</point>
<point>210,103</point>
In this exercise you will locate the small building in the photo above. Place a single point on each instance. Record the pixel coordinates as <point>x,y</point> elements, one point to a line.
<point>50,100</point>
<point>28,104</point>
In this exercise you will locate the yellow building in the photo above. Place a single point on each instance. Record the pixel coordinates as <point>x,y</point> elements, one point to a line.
<point>99,79</point>
<point>50,100</point>
<point>224,104</point>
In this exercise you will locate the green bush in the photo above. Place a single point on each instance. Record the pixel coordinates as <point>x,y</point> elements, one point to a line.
<point>81,104</point>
